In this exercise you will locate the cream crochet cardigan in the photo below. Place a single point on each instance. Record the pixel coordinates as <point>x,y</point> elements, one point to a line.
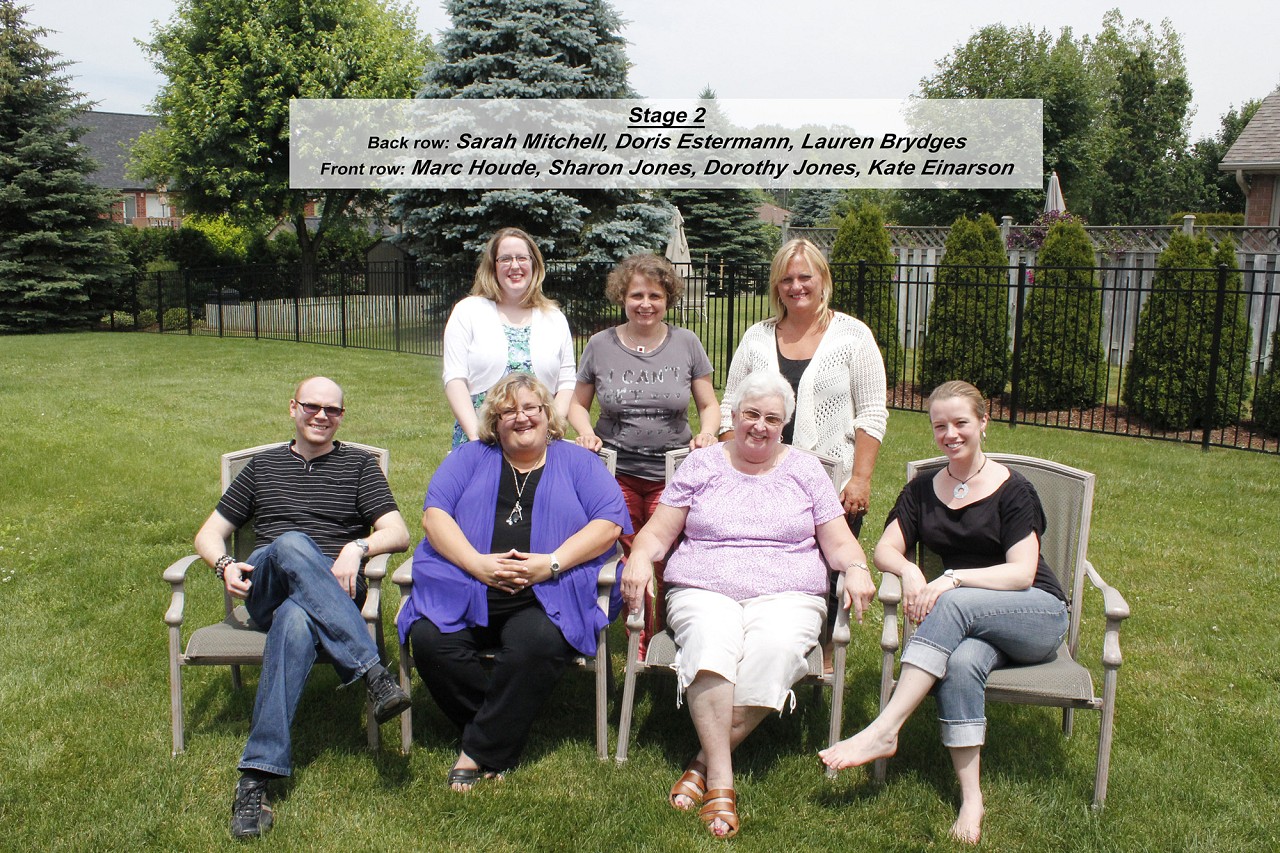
<point>841,391</point>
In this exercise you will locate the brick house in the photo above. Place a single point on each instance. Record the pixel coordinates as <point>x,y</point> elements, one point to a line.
<point>109,138</point>
<point>1255,159</point>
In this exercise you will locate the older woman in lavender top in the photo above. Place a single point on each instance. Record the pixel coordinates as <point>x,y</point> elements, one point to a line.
<point>746,585</point>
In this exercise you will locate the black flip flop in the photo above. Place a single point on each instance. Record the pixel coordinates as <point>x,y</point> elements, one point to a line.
<point>463,776</point>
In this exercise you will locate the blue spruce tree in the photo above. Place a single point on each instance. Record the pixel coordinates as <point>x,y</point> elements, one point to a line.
<point>526,49</point>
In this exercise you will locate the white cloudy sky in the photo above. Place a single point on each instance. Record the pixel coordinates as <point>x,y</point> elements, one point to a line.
<point>758,48</point>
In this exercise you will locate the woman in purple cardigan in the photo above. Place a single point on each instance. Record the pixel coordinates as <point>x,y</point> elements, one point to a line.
<point>518,525</point>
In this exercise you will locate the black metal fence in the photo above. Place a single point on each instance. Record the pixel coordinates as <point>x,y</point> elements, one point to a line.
<point>1223,321</point>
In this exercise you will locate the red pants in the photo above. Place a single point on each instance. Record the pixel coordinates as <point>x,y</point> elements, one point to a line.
<point>642,497</point>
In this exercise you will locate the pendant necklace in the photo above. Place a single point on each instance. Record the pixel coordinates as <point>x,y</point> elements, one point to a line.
<point>517,511</point>
<point>640,347</point>
<point>962,489</point>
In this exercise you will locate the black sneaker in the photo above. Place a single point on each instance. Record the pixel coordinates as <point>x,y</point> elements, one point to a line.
<point>387,697</point>
<point>251,814</point>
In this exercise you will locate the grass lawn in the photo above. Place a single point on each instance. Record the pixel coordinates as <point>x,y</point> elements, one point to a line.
<point>110,464</point>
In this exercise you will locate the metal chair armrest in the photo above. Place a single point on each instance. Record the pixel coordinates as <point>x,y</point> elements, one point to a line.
<point>403,576</point>
<point>890,595</point>
<point>840,630</point>
<point>176,576</point>
<point>374,571</point>
<point>1116,610</point>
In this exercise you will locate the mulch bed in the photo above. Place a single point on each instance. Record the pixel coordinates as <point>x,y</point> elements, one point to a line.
<point>1110,420</point>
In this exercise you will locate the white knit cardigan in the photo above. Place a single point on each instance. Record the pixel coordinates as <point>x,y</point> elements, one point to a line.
<point>841,391</point>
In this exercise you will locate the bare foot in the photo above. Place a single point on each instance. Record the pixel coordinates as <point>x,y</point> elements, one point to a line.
<point>968,826</point>
<point>863,748</point>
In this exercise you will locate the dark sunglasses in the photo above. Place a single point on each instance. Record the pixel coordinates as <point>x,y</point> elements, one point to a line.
<point>313,409</point>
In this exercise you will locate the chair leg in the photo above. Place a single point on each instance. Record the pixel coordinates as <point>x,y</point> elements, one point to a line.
<point>837,701</point>
<point>1068,721</point>
<point>406,719</point>
<point>1106,730</point>
<point>175,692</point>
<point>371,722</point>
<point>628,696</point>
<point>880,768</point>
<point>602,696</point>
<point>236,681</point>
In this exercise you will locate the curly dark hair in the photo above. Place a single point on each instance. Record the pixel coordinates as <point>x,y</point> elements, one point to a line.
<point>653,267</point>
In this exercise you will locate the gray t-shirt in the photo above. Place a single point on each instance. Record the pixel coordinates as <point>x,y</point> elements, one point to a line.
<point>644,397</point>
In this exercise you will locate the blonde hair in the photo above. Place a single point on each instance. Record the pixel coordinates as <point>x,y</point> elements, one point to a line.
<point>801,248</point>
<point>503,396</point>
<point>486,281</point>
<point>959,389</point>
<point>655,268</point>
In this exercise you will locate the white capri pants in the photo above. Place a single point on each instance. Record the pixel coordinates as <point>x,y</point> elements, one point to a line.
<point>758,644</point>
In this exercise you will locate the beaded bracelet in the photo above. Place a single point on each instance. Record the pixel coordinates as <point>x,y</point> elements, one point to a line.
<point>220,567</point>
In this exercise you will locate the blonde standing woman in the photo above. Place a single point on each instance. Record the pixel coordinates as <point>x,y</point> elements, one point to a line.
<point>506,325</point>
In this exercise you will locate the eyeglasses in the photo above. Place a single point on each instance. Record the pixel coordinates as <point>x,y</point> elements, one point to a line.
<point>530,411</point>
<point>771,421</point>
<point>313,409</point>
<point>508,260</point>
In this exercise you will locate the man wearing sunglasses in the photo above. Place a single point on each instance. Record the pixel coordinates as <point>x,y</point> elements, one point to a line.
<point>320,509</point>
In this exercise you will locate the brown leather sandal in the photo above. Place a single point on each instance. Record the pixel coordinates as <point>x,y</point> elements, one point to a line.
<point>722,804</point>
<point>692,784</point>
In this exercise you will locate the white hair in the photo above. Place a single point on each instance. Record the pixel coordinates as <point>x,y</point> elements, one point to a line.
<point>764,383</point>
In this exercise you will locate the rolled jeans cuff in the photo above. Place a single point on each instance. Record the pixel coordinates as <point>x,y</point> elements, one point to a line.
<point>924,655</point>
<point>961,733</point>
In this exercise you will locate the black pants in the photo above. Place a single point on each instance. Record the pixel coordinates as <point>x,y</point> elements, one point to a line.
<point>494,706</point>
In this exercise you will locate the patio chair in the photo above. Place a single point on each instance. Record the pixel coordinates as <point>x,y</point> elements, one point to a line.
<point>1062,682</point>
<point>661,653</point>
<point>233,641</point>
<point>598,664</point>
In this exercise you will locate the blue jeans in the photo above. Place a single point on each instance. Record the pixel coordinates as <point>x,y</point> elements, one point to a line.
<point>970,632</point>
<point>299,603</point>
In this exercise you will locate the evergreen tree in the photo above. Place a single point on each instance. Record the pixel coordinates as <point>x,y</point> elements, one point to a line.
<point>1062,360</point>
<point>862,237</point>
<point>813,208</point>
<point>1266,401</point>
<point>1168,378</point>
<point>518,49</point>
<point>55,233</point>
<point>968,323</point>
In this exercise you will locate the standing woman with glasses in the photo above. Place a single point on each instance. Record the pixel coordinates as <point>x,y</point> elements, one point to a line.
<point>506,325</point>
<point>518,524</point>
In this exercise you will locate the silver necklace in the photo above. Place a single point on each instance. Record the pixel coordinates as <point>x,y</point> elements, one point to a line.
<point>963,489</point>
<point>640,347</point>
<point>517,512</point>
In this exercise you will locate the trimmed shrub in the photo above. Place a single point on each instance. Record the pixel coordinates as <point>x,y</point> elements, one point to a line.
<point>1266,400</point>
<point>1168,378</point>
<point>968,322</point>
<point>175,320</point>
<point>1063,364</point>
<point>1209,219</point>
<point>862,237</point>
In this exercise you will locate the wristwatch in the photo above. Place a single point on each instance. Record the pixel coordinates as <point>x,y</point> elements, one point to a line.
<point>955,578</point>
<point>364,548</point>
<point>555,565</point>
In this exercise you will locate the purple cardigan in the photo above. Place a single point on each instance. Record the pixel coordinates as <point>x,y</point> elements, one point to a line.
<point>575,489</point>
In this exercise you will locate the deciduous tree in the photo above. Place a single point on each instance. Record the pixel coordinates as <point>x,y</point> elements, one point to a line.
<point>232,66</point>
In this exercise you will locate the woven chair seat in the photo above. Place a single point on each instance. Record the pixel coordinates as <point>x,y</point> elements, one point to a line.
<point>1059,681</point>
<point>231,641</point>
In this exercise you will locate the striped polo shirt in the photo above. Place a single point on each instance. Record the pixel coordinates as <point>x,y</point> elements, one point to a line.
<point>334,498</point>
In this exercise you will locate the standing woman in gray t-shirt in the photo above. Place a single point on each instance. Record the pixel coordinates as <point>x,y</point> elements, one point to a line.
<point>643,372</point>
